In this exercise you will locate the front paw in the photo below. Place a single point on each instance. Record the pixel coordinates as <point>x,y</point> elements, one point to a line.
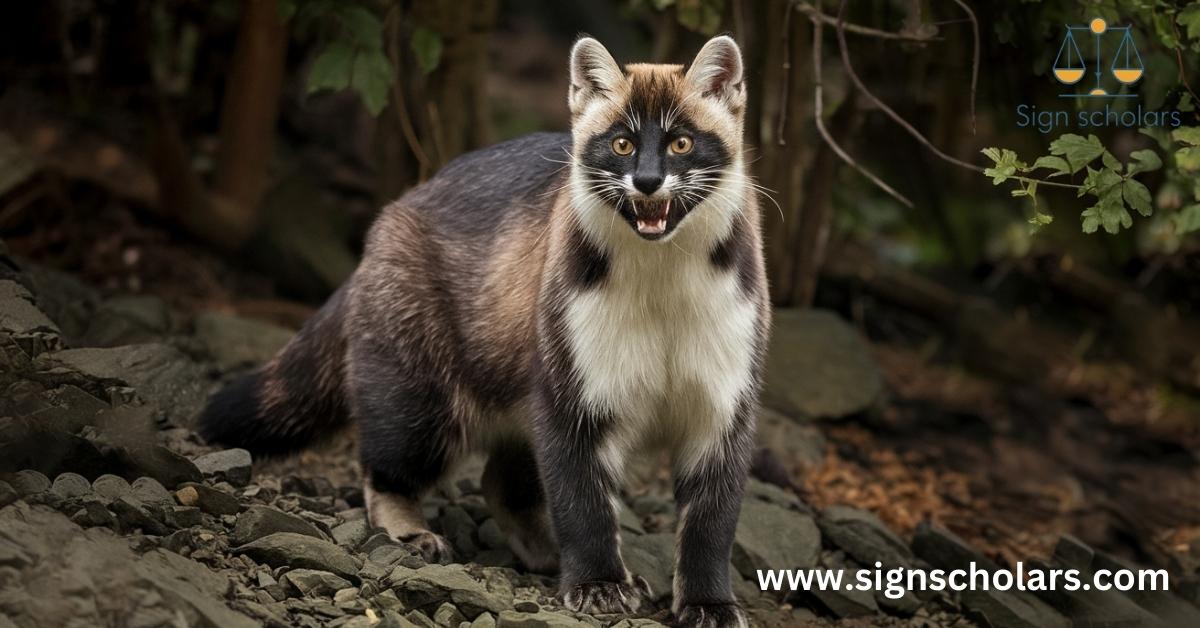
<point>433,547</point>
<point>604,598</point>
<point>711,616</point>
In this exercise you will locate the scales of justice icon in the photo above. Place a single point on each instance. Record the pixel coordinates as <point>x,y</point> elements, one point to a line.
<point>1070,67</point>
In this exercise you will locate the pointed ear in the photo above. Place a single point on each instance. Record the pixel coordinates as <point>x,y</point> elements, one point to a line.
<point>594,73</point>
<point>717,71</point>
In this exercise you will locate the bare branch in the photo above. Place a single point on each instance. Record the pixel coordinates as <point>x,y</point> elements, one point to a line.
<point>814,14</point>
<point>785,79</point>
<point>819,112</point>
<point>974,57</point>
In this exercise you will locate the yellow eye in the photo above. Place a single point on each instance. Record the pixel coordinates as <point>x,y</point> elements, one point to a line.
<point>682,145</point>
<point>622,146</point>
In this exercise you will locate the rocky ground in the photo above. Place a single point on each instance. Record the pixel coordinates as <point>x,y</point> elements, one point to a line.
<point>113,512</point>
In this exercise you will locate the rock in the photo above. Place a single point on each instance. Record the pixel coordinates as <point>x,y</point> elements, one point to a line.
<point>434,584</point>
<point>1173,610</point>
<point>315,582</point>
<point>773,537</point>
<point>484,620</point>
<point>93,512</point>
<point>351,533</point>
<point>125,320</point>
<point>651,556</point>
<point>155,461</point>
<point>235,342</point>
<point>29,482</point>
<point>132,514</point>
<point>158,373</point>
<point>943,549</point>
<point>843,602</point>
<point>24,323</point>
<point>459,530</point>
<point>795,442</point>
<point>68,301</point>
<point>819,366</point>
<point>301,551</point>
<point>90,577</point>
<point>229,465</point>
<point>8,494</point>
<point>259,521</point>
<point>628,520</point>
<point>111,486</point>
<point>447,616</point>
<point>864,537</point>
<point>150,491</point>
<point>490,535</point>
<point>71,485</point>
<point>211,500</point>
<point>1011,609</point>
<point>540,619</point>
<point>183,516</point>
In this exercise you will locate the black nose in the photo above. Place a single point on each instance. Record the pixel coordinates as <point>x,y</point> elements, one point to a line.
<point>647,183</point>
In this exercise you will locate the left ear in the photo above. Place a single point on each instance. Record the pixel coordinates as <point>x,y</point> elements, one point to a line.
<point>717,72</point>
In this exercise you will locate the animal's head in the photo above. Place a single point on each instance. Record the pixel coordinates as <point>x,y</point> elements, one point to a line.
<point>654,143</point>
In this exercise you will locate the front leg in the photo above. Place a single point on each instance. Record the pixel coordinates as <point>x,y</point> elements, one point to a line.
<point>581,491</point>
<point>708,494</point>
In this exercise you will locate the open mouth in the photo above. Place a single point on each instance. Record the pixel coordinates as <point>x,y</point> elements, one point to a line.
<point>651,216</point>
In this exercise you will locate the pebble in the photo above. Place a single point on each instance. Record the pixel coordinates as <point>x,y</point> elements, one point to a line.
<point>29,482</point>
<point>71,485</point>
<point>111,486</point>
<point>230,465</point>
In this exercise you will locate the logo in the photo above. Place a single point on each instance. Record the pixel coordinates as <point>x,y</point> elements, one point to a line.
<point>1125,65</point>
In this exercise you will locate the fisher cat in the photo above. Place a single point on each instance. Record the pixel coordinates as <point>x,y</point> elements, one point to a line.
<point>562,302</point>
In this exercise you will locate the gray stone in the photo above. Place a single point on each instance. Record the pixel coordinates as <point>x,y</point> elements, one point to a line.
<point>790,440</point>
<point>158,373</point>
<point>819,366</point>
<point>628,520</point>
<point>71,485</point>
<point>211,500</point>
<point>132,514</point>
<point>864,537</point>
<point>484,620</point>
<point>943,549</point>
<point>434,584</point>
<point>1011,609</point>
<point>846,603</point>
<point>540,619</point>
<point>315,582</point>
<point>770,536</point>
<point>93,511</point>
<point>459,530</point>
<point>24,323</point>
<point>229,465</point>
<point>150,491</point>
<point>29,482</point>
<point>111,486</point>
<point>491,536</point>
<point>8,494</point>
<point>301,551</point>
<point>651,556</point>
<point>1172,609</point>
<point>447,616</point>
<point>351,533</point>
<point>259,521</point>
<point>234,342</point>
<point>125,320</point>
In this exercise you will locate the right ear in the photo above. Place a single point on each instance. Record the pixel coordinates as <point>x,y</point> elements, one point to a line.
<point>594,73</point>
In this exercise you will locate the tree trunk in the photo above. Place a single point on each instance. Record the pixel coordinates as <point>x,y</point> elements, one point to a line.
<point>248,117</point>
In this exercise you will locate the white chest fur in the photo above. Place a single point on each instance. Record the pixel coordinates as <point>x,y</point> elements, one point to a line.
<point>666,344</point>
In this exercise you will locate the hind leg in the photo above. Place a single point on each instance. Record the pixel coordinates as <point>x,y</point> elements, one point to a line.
<point>407,440</point>
<point>514,494</point>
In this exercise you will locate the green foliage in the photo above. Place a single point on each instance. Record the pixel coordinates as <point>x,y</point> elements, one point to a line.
<point>427,46</point>
<point>353,55</point>
<point>1112,184</point>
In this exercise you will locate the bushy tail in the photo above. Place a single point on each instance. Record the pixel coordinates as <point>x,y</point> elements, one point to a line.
<point>292,400</point>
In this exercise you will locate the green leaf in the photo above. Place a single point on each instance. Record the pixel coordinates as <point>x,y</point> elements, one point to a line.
<point>1109,213</point>
<point>1057,164</point>
<point>372,78</point>
<point>1189,18</point>
<point>363,27</point>
<point>1137,196</point>
<point>1185,103</point>
<point>1039,219</point>
<point>1187,220</point>
<point>1007,164</point>
<point>1110,161</point>
<point>427,45</point>
<point>1187,135</point>
<point>1188,158</point>
<point>1144,160</point>
<point>1077,150</point>
<point>332,68</point>
<point>1099,182</point>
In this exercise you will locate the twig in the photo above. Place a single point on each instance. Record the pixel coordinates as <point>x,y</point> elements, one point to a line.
<point>898,119</point>
<point>406,127</point>
<point>974,57</point>
<point>814,14</point>
<point>819,112</point>
<point>785,80</point>
<point>1182,71</point>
